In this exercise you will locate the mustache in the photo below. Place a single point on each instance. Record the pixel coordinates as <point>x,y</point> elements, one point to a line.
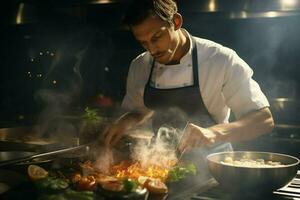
<point>169,51</point>
<point>158,54</point>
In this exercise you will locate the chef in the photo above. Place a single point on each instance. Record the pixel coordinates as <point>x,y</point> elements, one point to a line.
<point>183,75</point>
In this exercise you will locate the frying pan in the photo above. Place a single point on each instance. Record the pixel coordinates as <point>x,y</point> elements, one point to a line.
<point>248,179</point>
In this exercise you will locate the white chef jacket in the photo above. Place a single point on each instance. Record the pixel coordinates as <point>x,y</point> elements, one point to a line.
<point>225,80</point>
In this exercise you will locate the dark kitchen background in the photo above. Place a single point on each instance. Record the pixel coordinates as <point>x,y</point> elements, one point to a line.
<point>60,56</point>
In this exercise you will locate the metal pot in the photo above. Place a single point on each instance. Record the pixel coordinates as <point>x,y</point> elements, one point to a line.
<point>248,179</point>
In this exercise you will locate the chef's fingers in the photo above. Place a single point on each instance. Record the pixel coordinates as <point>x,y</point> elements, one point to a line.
<point>181,145</point>
<point>109,134</point>
<point>188,142</point>
<point>199,142</point>
<point>209,137</point>
<point>105,132</point>
<point>116,138</point>
<point>210,142</point>
<point>191,145</point>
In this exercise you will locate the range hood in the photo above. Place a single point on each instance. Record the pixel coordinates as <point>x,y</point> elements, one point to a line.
<point>242,9</point>
<point>31,11</point>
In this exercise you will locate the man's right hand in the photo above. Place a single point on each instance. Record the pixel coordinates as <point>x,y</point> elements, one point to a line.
<point>113,133</point>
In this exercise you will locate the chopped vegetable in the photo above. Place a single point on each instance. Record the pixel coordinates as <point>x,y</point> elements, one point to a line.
<point>181,172</point>
<point>51,183</point>
<point>68,195</point>
<point>129,185</point>
<point>86,183</point>
<point>79,195</point>
<point>36,172</point>
<point>113,186</point>
<point>157,186</point>
<point>91,116</point>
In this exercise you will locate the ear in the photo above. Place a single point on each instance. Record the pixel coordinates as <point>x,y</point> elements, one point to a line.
<point>177,20</point>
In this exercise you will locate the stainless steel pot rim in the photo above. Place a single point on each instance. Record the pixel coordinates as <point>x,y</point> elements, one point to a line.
<point>297,161</point>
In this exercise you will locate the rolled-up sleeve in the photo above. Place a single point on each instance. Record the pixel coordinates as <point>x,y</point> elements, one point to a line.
<point>242,94</point>
<point>136,80</point>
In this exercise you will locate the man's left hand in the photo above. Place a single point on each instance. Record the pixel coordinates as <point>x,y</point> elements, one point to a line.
<point>195,136</point>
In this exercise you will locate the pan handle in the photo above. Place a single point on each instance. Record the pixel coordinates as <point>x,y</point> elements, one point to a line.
<point>85,147</point>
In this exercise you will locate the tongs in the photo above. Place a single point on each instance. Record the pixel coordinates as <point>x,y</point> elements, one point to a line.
<point>85,147</point>
<point>177,151</point>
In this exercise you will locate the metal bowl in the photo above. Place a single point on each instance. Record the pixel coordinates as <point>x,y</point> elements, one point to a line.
<point>250,179</point>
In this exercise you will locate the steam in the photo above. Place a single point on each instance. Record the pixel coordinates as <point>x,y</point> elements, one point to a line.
<point>273,59</point>
<point>160,151</point>
<point>56,104</point>
<point>104,160</point>
<point>67,83</point>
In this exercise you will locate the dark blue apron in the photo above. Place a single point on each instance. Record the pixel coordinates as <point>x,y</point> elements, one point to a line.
<point>175,107</point>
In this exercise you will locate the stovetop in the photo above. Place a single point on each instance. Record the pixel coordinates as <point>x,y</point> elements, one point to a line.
<point>209,190</point>
<point>290,191</point>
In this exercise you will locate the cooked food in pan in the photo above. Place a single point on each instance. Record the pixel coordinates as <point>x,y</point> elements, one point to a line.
<point>247,162</point>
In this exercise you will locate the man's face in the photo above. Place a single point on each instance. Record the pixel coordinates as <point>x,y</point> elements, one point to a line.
<point>158,37</point>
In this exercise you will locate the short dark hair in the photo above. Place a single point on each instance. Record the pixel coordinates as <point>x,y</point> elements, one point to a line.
<point>139,10</point>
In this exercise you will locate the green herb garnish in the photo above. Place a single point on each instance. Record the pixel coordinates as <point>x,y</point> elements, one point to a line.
<point>129,185</point>
<point>181,172</point>
<point>91,116</point>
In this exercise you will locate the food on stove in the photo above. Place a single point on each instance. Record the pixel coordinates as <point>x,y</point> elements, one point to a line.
<point>106,182</point>
<point>114,186</point>
<point>51,184</point>
<point>67,195</point>
<point>78,195</point>
<point>156,186</point>
<point>88,168</point>
<point>181,172</point>
<point>36,172</point>
<point>247,162</point>
<point>43,181</point>
<point>135,170</point>
<point>102,179</point>
<point>126,175</point>
<point>129,185</point>
<point>123,178</point>
<point>143,180</point>
<point>84,182</point>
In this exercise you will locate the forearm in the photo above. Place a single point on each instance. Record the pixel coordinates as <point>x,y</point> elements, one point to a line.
<point>249,127</point>
<point>132,119</point>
